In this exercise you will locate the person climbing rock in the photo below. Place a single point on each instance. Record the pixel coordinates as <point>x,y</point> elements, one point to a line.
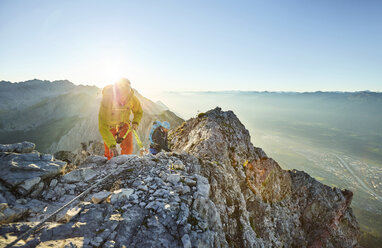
<point>159,138</point>
<point>118,102</point>
<point>153,127</point>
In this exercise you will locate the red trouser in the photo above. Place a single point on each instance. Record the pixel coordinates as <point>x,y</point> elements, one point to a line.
<point>127,143</point>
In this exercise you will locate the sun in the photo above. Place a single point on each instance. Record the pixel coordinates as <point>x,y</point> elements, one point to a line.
<point>108,69</point>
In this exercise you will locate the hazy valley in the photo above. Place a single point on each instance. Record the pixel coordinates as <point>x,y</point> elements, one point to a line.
<point>335,137</point>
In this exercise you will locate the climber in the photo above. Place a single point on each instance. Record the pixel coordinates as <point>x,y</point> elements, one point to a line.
<point>159,138</point>
<point>153,127</point>
<point>118,101</point>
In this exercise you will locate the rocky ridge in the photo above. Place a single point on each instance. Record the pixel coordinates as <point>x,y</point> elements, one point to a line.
<point>260,203</point>
<point>214,190</point>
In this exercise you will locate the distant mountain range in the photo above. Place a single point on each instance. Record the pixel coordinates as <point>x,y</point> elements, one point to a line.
<point>279,92</point>
<point>59,115</point>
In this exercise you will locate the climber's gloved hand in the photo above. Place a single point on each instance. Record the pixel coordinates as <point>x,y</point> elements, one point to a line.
<point>135,126</point>
<point>119,140</point>
<point>113,151</point>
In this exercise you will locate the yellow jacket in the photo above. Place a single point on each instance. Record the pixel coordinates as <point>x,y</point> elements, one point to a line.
<point>111,113</point>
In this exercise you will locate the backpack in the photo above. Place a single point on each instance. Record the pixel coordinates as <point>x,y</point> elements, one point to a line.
<point>154,126</point>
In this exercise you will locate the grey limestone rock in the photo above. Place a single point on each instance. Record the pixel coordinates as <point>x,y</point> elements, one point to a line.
<point>259,202</point>
<point>17,168</point>
<point>53,183</point>
<point>143,188</point>
<point>121,195</point>
<point>23,147</point>
<point>25,171</point>
<point>215,190</point>
<point>25,187</point>
<point>173,178</point>
<point>96,159</point>
<point>100,196</point>
<point>80,175</point>
<point>9,214</point>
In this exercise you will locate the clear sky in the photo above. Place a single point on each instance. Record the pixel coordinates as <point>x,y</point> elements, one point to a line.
<point>175,45</point>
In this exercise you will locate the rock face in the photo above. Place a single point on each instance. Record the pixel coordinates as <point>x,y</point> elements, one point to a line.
<point>24,172</point>
<point>259,203</point>
<point>23,147</point>
<point>23,168</point>
<point>214,190</point>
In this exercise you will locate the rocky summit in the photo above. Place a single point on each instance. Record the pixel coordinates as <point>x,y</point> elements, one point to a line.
<point>214,190</point>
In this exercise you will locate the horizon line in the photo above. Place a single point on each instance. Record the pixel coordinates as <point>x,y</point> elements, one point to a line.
<point>269,91</point>
<point>211,91</point>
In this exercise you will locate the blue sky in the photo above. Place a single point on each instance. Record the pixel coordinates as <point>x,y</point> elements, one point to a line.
<point>195,45</point>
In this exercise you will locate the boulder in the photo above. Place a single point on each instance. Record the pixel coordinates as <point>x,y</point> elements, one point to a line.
<point>66,156</point>
<point>79,175</point>
<point>71,213</point>
<point>100,196</point>
<point>25,187</point>
<point>96,159</point>
<point>25,170</point>
<point>23,147</point>
<point>121,194</point>
<point>173,178</point>
<point>10,214</point>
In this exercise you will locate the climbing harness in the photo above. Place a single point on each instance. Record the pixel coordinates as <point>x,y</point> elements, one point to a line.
<point>128,131</point>
<point>119,129</point>
<point>139,142</point>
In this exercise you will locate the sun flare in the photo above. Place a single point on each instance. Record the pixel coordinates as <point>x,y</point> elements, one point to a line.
<point>109,69</point>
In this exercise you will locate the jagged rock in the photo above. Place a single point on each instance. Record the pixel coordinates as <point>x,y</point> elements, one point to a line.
<point>178,166</point>
<point>37,190</point>
<point>53,183</point>
<point>66,156</point>
<point>25,187</point>
<point>96,159</point>
<point>190,182</point>
<point>143,188</point>
<point>120,159</point>
<point>9,214</point>
<point>5,195</point>
<point>173,178</point>
<point>87,149</point>
<point>109,244</point>
<point>266,179</point>
<point>325,212</point>
<point>260,199</point>
<point>207,135</point>
<point>71,213</point>
<point>23,147</point>
<point>35,206</point>
<point>100,196</point>
<point>59,191</point>
<point>24,171</point>
<point>80,175</point>
<point>222,193</point>
<point>121,194</point>
<point>93,161</point>
<point>186,241</point>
